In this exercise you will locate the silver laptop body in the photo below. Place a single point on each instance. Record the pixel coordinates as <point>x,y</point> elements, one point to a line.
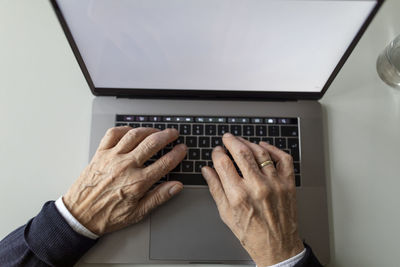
<point>188,229</point>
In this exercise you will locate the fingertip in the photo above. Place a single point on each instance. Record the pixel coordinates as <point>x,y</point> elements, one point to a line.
<point>181,147</point>
<point>175,188</point>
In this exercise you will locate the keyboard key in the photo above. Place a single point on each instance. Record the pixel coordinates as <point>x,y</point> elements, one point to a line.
<point>121,124</point>
<point>280,143</point>
<point>261,130</point>
<point>293,143</point>
<point>160,126</point>
<point>216,141</point>
<point>175,126</point>
<point>210,164</point>
<point>155,118</point>
<point>206,154</point>
<point>185,129</point>
<point>273,130</point>
<point>289,131</point>
<point>125,118</point>
<point>167,118</point>
<point>236,130</point>
<point>211,119</point>
<point>297,180</point>
<point>287,121</point>
<point>194,153</point>
<point>198,165</point>
<point>141,118</point>
<point>270,121</point>
<point>257,120</point>
<point>188,179</point>
<point>134,125</point>
<point>198,129</point>
<point>248,130</point>
<point>180,140</point>
<point>191,141</point>
<point>147,125</point>
<point>211,129</point>
<point>204,141</point>
<point>187,166</point>
<point>255,140</point>
<point>222,129</point>
<point>269,140</point>
<point>296,166</point>
<point>295,154</point>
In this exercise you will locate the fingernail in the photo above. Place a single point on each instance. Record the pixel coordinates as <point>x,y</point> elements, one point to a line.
<point>175,189</point>
<point>182,147</point>
<point>218,148</point>
<point>228,135</point>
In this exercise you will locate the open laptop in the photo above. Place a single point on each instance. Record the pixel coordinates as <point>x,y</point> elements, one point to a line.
<point>255,68</point>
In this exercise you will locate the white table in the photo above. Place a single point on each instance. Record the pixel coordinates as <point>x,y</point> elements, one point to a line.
<point>45,111</point>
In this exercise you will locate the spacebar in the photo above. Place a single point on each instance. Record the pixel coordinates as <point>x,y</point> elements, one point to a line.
<point>188,178</point>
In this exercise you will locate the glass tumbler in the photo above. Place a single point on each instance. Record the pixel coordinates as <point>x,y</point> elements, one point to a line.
<point>388,64</point>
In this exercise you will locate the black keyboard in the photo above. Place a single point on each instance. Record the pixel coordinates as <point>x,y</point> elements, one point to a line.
<point>202,133</point>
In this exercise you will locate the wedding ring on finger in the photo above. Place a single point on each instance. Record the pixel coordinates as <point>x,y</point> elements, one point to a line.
<point>265,163</point>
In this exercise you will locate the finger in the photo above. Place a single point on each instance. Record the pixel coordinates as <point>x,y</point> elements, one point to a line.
<point>283,161</point>
<point>159,195</point>
<point>112,137</point>
<point>226,171</point>
<point>261,155</point>
<point>242,155</point>
<point>165,164</point>
<point>152,144</point>
<point>132,138</point>
<point>215,186</point>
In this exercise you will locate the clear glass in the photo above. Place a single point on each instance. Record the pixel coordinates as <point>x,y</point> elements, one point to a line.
<point>388,64</point>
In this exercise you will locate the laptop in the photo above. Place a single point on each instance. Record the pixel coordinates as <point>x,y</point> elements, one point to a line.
<point>255,68</point>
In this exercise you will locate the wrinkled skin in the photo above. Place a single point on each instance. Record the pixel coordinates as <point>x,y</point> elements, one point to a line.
<point>260,207</point>
<point>113,191</point>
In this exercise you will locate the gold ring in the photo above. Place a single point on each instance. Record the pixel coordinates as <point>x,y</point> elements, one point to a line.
<point>265,163</point>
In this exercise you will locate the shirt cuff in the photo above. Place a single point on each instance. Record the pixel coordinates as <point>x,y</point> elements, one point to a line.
<point>70,219</point>
<point>291,261</point>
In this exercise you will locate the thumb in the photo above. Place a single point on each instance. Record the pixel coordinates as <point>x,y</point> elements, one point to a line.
<point>159,195</point>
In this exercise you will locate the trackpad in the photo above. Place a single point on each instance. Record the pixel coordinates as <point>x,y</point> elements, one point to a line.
<point>189,228</point>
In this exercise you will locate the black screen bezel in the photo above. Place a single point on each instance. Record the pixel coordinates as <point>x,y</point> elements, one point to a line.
<point>209,94</point>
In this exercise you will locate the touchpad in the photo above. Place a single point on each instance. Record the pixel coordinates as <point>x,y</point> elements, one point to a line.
<point>189,228</point>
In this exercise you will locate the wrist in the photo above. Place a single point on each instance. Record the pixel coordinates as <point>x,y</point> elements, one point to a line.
<point>272,254</point>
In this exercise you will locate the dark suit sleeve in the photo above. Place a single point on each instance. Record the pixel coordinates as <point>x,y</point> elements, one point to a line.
<point>46,240</point>
<point>309,259</point>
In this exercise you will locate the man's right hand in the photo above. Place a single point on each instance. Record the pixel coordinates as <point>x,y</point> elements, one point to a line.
<point>259,208</point>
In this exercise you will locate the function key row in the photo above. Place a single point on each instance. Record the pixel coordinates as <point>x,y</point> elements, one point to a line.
<point>221,129</point>
<point>240,120</point>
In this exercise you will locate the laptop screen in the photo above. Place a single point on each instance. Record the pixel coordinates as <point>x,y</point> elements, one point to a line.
<point>224,45</point>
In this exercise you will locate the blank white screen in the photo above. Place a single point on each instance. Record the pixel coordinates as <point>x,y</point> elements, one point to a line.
<point>255,45</point>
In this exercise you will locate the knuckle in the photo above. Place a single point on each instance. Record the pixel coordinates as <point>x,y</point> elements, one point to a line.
<point>150,144</point>
<point>157,200</point>
<point>225,163</point>
<point>165,163</point>
<point>263,154</point>
<point>112,131</point>
<point>288,158</point>
<point>245,153</point>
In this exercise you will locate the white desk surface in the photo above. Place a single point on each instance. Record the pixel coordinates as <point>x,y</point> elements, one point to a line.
<point>45,112</point>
